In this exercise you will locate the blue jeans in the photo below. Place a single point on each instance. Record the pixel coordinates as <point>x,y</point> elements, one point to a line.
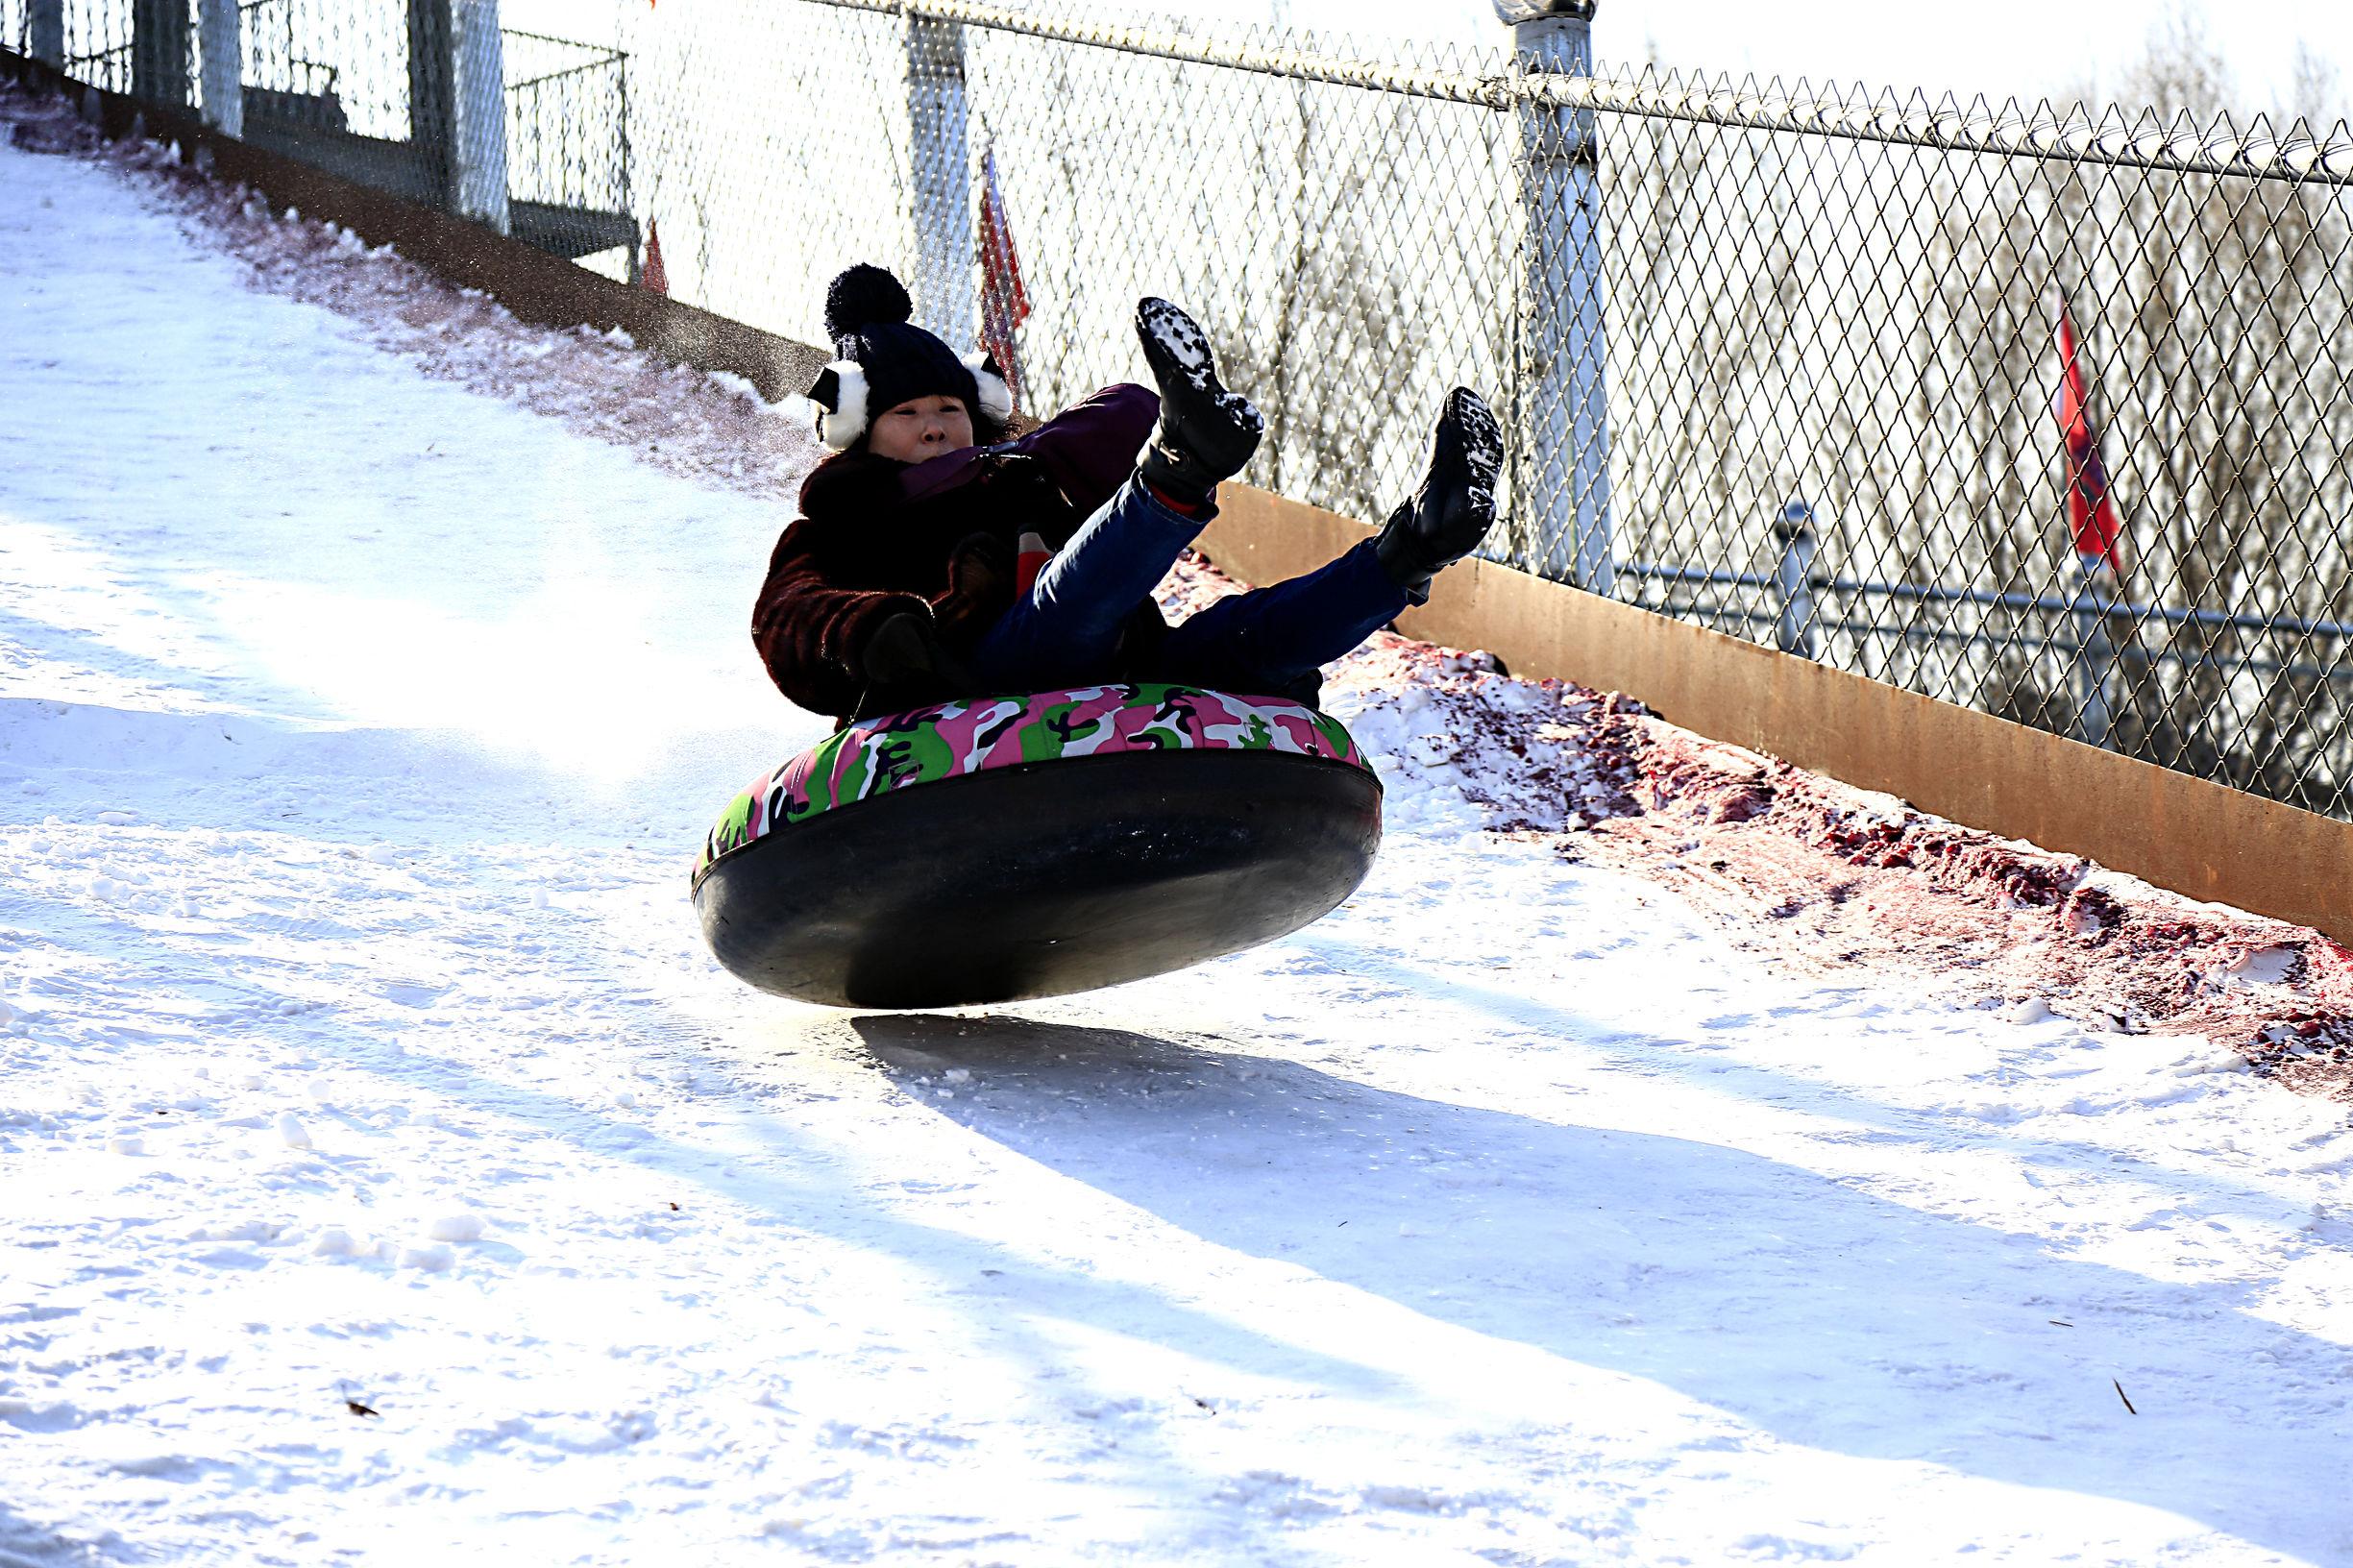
<point>1065,630</point>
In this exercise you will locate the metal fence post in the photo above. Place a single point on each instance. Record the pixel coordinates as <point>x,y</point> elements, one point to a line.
<point>1793,580</point>
<point>938,160</point>
<point>458,105</point>
<point>45,31</point>
<point>222,47</point>
<point>430,113</point>
<point>1564,425</point>
<point>477,151</point>
<point>159,51</point>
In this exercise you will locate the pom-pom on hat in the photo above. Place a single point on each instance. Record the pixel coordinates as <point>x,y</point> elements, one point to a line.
<point>881,360</point>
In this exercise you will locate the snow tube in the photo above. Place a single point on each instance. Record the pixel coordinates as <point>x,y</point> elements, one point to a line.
<point>1007,848</point>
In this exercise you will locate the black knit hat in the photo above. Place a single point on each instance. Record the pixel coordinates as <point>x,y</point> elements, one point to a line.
<point>881,360</point>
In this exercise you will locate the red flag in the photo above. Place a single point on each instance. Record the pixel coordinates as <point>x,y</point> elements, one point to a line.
<point>1004,300</point>
<point>654,277</point>
<point>2089,513</point>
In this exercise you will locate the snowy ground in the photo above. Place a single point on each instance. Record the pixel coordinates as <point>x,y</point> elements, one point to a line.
<point>358,724</point>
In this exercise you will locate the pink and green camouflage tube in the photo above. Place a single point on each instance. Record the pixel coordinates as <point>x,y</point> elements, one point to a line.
<point>952,739</point>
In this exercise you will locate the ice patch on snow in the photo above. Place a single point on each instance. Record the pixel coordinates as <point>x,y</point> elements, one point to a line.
<point>458,1227</point>
<point>2266,966</point>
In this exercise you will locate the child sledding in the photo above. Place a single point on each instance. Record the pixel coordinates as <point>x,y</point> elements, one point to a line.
<point>904,581</point>
<point>1039,785</point>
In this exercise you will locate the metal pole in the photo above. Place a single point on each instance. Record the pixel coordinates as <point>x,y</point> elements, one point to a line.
<point>627,206</point>
<point>940,162</point>
<point>430,113</point>
<point>1565,474</point>
<point>45,33</point>
<point>159,51</point>
<point>2095,656</point>
<point>478,153</point>
<point>1793,580</point>
<point>220,41</point>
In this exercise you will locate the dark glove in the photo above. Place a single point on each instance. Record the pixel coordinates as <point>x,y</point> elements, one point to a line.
<point>900,649</point>
<point>980,587</point>
<point>904,651</point>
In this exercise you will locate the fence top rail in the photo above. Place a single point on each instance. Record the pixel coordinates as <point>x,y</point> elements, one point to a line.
<point>2069,132</point>
<point>1300,60</point>
<point>2178,143</point>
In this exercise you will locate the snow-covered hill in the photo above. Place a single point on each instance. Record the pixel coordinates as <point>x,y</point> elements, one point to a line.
<point>387,1175</point>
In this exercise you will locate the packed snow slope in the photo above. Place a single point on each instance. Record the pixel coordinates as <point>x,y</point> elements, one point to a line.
<point>389,1176</point>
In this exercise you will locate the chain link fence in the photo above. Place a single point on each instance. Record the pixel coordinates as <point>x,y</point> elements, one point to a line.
<point>1783,361</point>
<point>431,100</point>
<point>1838,377</point>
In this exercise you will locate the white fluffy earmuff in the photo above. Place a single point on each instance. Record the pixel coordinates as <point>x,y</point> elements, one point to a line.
<point>840,393</point>
<point>995,396</point>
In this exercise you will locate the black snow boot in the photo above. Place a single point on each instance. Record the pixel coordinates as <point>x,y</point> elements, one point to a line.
<point>1455,508</point>
<point>1206,432</point>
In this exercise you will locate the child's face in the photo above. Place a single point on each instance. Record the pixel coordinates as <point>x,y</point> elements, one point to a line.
<point>921,427</point>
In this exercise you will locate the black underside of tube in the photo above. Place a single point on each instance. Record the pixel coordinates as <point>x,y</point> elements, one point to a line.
<point>1043,879</point>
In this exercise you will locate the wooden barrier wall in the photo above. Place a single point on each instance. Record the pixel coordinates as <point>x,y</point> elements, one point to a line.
<point>2204,840</point>
<point>2200,839</point>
